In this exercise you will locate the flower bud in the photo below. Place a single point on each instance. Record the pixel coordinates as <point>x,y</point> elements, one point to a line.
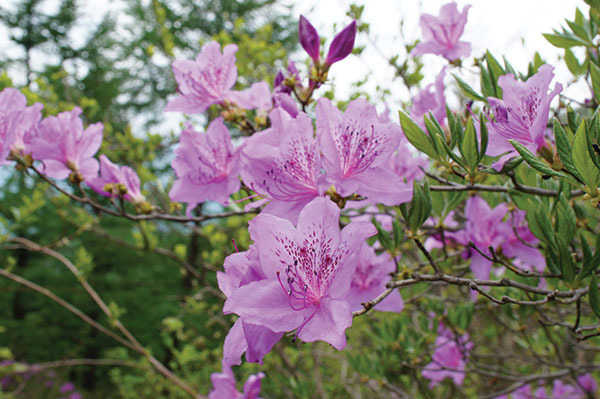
<point>342,44</point>
<point>309,38</point>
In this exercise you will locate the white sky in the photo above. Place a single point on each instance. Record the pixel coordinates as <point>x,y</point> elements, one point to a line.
<point>511,28</point>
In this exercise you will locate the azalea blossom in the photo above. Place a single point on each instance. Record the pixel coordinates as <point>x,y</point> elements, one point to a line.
<point>524,392</point>
<point>372,274</point>
<point>283,165</point>
<point>258,96</point>
<point>65,148</point>
<point>254,340</point>
<point>442,34</point>
<point>356,147</point>
<point>17,121</point>
<point>521,115</point>
<point>449,357</point>
<point>207,166</point>
<point>308,270</point>
<point>205,81</point>
<point>224,386</point>
<point>431,99</point>
<point>111,176</point>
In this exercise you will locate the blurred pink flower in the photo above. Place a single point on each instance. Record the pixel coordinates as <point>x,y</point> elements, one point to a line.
<point>449,357</point>
<point>65,148</point>
<point>17,122</point>
<point>441,34</point>
<point>224,386</point>
<point>206,80</point>
<point>431,99</point>
<point>114,174</point>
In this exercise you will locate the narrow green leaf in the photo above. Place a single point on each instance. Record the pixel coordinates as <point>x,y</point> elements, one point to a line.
<point>566,260</point>
<point>469,147</point>
<point>563,147</point>
<point>590,266</point>
<point>594,296</point>
<point>468,90</point>
<point>416,136</point>
<point>534,162</point>
<point>595,74</point>
<point>564,40</point>
<point>495,70</point>
<point>488,87</point>
<point>483,131</point>
<point>582,158</point>
<point>573,63</point>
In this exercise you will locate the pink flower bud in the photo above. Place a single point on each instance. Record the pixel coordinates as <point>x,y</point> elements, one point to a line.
<point>309,38</point>
<point>342,44</point>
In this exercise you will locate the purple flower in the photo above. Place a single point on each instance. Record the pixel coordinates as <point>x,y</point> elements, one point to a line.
<point>407,163</point>
<point>484,228</point>
<point>441,34</point>
<point>258,96</point>
<point>206,80</point>
<point>372,274</point>
<point>521,115</point>
<point>255,340</point>
<point>524,392</point>
<point>356,147</point>
<point>342,44</point>
<point>431,99</point>
<point>207,166</point>
<point>17,121</point>
<point>308,270</point>
<point>283,164</point>
<point>586,385</point>
<point>114,175</point>
<point>309,38</point>
<point>448,358</point>
<point>224,386</point>
<point>68,387</point>
<point>66,148</point>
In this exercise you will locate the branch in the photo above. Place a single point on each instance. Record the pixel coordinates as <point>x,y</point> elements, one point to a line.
<point>168,374</point>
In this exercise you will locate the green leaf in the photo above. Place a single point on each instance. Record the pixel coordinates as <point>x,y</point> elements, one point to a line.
<point>565,219</point>
<point>495,70</point>
<point>469,147</point>
<point>573,63</point>
<point>382,235</point>
<point>545,227</point>
<point>420,207</point>
<point>551,262</point>
<point>595,74</point>
<point>484,136</point>
<point>582,159</point>
<point>594,296</point>
<point>534,162</point>
<point>488,87</point>
<point>563,147</point>
<point>566,260</point>
<point>590,266</point>
<point>416,136</point>
<point>468,90</point>
<point>564,40</point>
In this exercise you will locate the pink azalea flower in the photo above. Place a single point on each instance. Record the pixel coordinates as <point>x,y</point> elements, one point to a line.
<point>524,392</point>
<point>407,163</point>
<point>283,165</point>
<point>586,385</point>
<point>521,115</point>
<point>431,99</point>
<point>560,390</point>
<point>356,147</point>
<point>484,228</point>
<point>67,387</point>
<point>521,245</point>
<point>442,33</point>
<point>224,386</point>
<point>114,174</point>
<point>308,270</point>
<point>254,340</point>
<point>258,96</point>
<point>372,274</point>
<point>206,80</point>
<point>341,45</point>
<point>66,148</point>
<point>17,121</point>
<point>448,358</point>
<point>309,38</point>
<point>207,166</point>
